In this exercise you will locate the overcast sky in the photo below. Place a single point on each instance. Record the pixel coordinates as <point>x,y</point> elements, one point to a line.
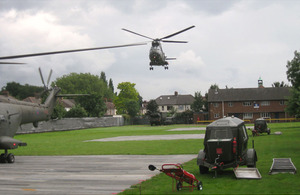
<point>233,44</point>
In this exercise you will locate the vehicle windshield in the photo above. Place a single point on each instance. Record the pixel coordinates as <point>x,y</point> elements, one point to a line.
<point>223,133</point>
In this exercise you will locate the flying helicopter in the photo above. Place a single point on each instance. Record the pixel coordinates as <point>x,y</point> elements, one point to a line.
<point>156,55</point>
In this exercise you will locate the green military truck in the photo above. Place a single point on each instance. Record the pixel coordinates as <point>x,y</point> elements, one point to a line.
<point>225,146</point>
<point>260,126</point>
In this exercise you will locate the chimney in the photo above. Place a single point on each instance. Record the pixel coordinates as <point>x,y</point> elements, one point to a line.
<point>176,93</point>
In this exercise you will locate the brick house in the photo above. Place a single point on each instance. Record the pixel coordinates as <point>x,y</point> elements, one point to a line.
<point>179,102</point>
<point>248,103</point>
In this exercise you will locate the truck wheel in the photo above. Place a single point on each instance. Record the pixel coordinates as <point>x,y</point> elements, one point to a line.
<point>203,169</point>
<point>252,158</point>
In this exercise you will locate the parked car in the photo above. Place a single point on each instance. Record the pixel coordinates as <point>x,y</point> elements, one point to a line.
<point>226,146</point>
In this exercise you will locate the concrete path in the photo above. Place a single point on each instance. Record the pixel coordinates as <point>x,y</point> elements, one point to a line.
<point>149,137</point>
<point>99,174</point>
<point>188,129</point>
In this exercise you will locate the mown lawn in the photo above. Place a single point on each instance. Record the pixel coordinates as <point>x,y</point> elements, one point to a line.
<point>268,147</point>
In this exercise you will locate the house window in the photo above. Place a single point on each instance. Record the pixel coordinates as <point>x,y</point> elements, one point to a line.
<point>216,115</point>
<point>282,102</point>
<point>230,104</point>
<point>265,103</point>
<point>247,103</point>
<point>180,107</point>
<point>248,115</point>
<point>169,107</point>
<point>162,108</point>
<point>216,105</point>
<point>265,115</point>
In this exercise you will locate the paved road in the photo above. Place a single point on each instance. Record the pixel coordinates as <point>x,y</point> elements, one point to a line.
<point>100,174</point>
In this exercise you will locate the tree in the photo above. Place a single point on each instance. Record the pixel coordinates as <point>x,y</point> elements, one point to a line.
<point>152,108</point>
<point>278,84</point>
<point>293,70</point>
<point>22,91</point>
<point>293,104</point>
<point>214,86</point>
<point>76,112</point>
<point>133,107</point>
<point>127,95</point>
<point>197,105</point>
<point>103,77</point>
<point>111,86</point>
<point>58,112</point>
<point>293,75</point>
<point>85,83</point>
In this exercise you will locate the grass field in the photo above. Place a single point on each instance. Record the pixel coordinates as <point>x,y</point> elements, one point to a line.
<point>268,147</point>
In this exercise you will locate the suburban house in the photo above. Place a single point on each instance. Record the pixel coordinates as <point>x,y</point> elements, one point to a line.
<point>111,110</point>
<point>248,103</point>
<point>179,102</point>
<point>143,109</point>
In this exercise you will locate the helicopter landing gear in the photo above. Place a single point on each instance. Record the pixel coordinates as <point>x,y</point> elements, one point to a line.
<point>7,158</point>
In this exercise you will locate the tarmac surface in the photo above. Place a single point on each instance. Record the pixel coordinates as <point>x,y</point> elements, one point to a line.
<point>149,137</point>
<point>98,174</point>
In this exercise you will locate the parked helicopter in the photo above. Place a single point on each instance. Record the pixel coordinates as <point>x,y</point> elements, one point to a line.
<point>14,113</point>
<point>156,55</point>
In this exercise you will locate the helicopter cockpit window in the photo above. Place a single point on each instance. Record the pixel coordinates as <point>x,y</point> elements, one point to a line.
<point>155,44</point>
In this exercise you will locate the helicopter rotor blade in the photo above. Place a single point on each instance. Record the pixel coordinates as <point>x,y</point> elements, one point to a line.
<point>137,34</point>
<point>42,78</point>
<point>69,51</point>
<point>49,78</point>
<point>167,41</point>
<point>171,35</point>
<point>12,63</point>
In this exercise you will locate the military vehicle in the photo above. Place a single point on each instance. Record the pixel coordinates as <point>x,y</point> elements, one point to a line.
<point>156,55</point>
<point>260,126</point>
<point>14,113</point>
<point>225,146</point>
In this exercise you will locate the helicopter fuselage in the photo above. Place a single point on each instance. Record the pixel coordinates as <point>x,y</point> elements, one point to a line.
<point>14,113</point>
<point>157,56</point>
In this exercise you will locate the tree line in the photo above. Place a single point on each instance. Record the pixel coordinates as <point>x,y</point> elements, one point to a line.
<point>99,91</point>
